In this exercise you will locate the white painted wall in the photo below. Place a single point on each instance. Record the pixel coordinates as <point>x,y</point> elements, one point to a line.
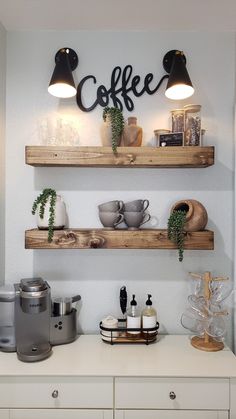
<point>98,274</point>
<point>2,148</point>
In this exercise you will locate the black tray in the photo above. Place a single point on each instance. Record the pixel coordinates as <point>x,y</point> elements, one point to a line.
<point>121,334</point>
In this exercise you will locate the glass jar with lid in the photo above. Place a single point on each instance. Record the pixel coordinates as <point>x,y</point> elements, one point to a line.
<point>177,117</point>
<point>159,132</point>
<point>192,125</point>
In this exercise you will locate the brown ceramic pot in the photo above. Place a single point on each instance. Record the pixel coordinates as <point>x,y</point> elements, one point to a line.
<point>196,214</point>
<point>132,134</point>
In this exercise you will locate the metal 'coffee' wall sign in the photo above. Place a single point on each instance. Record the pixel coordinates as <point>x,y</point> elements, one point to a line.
<point>123,84</point>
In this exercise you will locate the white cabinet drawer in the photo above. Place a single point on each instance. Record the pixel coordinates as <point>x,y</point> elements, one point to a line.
<point>154,393</point>
<point>173,414</point>
<point>4,414</point>
<point>60,414</point>
<point>73,392</point>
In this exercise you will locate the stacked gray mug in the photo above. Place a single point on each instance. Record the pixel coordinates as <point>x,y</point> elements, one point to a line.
<point>110,214</point>
<point>134,213</point>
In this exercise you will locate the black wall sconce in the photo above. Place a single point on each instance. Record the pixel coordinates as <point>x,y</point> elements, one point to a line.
<point>62,83</point>
<point>179,85</point>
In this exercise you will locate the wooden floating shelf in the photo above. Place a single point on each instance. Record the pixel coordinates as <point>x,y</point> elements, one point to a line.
<point>149,157</point>
<point>115,239</point>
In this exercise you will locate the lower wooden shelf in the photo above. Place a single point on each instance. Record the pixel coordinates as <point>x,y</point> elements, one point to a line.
<point>76,238</point>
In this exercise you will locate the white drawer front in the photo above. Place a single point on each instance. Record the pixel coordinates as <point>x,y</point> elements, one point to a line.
<point>154,393</point>
<point>73,392</point>
<point>60,414</point>
<point>173,414</point>
<point>4,414</point>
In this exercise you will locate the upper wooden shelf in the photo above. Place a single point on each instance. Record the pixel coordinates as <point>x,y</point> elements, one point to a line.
<point>152,157</point>
<point>75,238</point>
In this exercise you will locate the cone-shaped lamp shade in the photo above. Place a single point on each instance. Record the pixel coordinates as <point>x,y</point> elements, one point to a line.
<point>62,83</point>
<point>179,85</point>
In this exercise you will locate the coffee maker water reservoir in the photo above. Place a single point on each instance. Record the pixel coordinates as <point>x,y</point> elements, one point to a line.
<point>7,328</point>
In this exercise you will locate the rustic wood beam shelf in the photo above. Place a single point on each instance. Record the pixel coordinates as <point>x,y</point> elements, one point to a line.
<point>115,239</point>
<point>149,157</point>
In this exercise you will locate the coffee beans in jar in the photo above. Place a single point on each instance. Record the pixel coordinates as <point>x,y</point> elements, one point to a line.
<point>192,125</point>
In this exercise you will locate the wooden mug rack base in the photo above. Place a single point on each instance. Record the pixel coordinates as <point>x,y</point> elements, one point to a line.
<point>209,345</point>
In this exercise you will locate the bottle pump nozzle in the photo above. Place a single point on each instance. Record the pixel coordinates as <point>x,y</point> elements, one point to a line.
<point>149,301</point>
<point>133,302</point>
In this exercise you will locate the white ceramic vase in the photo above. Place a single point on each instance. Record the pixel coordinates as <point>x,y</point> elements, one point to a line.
<point>106,133</point>
<point>60,215</point>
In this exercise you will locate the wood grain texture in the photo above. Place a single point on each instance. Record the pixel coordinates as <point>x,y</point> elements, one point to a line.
<point>115,239</point>
<point>159,157</point>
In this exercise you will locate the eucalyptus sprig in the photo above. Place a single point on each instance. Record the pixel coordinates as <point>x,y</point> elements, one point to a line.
<point>41,200</point>
<point>117,125</point>
<point>175,230</point>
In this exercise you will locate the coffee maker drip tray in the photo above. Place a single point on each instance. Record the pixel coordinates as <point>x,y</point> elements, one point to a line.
<point>33,353</point>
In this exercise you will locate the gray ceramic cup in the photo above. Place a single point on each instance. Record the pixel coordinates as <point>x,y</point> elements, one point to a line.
<point>111,206</point>
<point>135,219</point>
<point>136,206</point>
<point>110,219</point>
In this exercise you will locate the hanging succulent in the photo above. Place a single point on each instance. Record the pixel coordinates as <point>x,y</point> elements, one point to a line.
<point>117,125</point>
<point>175,230</point>
<point>41,200</point>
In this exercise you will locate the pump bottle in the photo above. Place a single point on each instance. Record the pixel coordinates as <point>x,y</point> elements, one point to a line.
<point>133,318</point>
<point>149,317</point>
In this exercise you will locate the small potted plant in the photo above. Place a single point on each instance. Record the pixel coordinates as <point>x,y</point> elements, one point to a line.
<point>51,212</point>
<point>113,127</point>
<point>175,229</point>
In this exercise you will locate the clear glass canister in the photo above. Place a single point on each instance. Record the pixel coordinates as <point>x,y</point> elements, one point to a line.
<point>159,132</point>
<point>177,117</point>
<point>192,125</point>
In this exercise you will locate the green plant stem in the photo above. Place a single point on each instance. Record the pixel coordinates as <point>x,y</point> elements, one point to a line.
<point>40,201</point>
<point>117,125</point>
<point>175,228</point>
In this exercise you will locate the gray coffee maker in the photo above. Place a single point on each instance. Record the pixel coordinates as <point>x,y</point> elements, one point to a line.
<point>32,319</point>
<point>31,324</point>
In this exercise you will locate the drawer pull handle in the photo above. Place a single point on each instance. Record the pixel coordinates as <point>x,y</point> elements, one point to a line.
<point>172,395</point>
<point>55,394</point>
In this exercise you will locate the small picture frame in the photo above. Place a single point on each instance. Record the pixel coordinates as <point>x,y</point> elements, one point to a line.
<point>171,140</point>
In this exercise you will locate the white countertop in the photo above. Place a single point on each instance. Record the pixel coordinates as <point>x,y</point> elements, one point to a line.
<point>170,356</point>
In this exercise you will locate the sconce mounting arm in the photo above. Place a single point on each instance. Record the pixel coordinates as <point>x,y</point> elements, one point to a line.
<point>72,57</point>
<point>169,57</point>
